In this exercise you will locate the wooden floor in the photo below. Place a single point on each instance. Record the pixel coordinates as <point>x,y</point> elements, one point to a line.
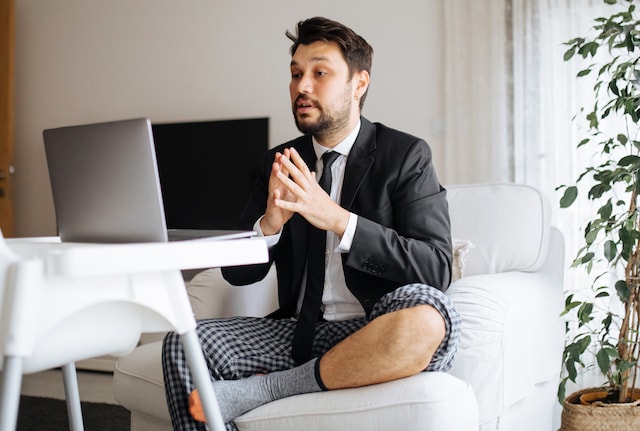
<point>94,386</point>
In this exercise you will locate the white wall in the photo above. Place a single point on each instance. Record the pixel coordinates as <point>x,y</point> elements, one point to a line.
<point>94,60</point>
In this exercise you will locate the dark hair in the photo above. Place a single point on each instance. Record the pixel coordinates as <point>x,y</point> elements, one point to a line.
<point>356,51</point>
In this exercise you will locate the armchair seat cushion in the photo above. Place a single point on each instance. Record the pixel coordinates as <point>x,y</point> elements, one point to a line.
<point>427,401</point>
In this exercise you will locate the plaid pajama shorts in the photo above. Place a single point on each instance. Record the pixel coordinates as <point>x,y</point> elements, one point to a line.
<point>239,347</point>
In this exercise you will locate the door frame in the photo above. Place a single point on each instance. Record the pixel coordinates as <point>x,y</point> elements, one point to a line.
<point>7,58</point>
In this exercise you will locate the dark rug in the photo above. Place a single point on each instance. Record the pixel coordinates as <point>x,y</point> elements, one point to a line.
<point>47,414</point>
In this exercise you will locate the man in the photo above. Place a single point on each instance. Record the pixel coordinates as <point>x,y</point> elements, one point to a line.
<point>373,311</point>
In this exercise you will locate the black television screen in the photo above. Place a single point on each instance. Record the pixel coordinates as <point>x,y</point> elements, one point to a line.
<point>207,169</point>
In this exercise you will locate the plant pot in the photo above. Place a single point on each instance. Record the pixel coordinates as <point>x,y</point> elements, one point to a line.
<point>590,397</point>
<point>599,416</point>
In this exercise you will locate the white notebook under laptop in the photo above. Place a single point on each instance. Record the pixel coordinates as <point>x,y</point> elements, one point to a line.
<point>105,184</point>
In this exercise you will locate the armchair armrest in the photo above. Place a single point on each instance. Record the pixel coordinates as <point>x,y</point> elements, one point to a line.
<point>213,296</point>
<point>512,335</point>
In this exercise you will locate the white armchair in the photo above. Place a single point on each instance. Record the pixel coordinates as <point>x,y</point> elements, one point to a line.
<point>506,371</point>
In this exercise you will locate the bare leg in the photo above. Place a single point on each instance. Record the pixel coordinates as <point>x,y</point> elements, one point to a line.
<point>390,347</point>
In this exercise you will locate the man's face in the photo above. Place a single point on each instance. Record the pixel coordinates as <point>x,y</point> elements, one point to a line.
<point>322,91</point>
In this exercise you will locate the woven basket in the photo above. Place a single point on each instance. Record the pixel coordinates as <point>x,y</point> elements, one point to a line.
<point>599,416</point>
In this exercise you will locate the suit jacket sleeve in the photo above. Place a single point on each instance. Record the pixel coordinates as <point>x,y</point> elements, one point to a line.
<point>403,234</point>
<point>254,209</point>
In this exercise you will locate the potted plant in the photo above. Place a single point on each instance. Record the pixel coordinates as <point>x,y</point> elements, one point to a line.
<point>605,329</point>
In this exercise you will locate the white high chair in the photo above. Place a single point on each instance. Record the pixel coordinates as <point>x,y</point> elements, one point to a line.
<point>66,302</point>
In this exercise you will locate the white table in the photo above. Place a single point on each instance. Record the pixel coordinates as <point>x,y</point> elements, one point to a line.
<point>65,302</point>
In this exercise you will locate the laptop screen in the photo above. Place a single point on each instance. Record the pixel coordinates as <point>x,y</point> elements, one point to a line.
<point>104,181</point>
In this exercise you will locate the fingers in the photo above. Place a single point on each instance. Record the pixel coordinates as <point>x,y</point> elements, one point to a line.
<point>277,165</point>
<point>295,171</point>
<point>298,162</point>
<point>276,216</point>
<point>281,158</point>
<point>303,194</point>
<point>300,193</point>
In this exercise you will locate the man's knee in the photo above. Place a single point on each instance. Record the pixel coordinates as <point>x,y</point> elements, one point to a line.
<point>418,332</point>
<point>415,332</point>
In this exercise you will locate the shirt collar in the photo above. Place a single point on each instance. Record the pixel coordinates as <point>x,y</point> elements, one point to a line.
<point>343,147</point>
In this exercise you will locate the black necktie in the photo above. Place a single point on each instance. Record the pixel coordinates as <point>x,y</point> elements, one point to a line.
<point>312,301</point>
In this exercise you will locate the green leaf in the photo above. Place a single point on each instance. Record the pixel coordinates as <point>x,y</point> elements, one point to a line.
<point>625,233</point>
<point>613,87</point>
<point>610,250</point>
<point>623,139</point>
<point>629,160</point>
<point>591,234</point>
<point>598,190</point>
<point>570,306</point>
<point>603,361</point>
<point>571,370</point>
<point>623,290</point>
<point>629,43</point>
<point>613,353</point>
<point>568,300</point>
<point>583,142</point>
<point>592,117</point>
<point>584,313</point>
<point>606,210</point>
<point>584,342</point>
<point>569,53</point>
<point>586,258</point>
<point>626,365</point>
<point>569,196</point>
<point>629,108</point>
<point>562,390</point>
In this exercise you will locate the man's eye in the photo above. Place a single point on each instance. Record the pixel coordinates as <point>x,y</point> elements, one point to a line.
<point>295,76</point>
<point>321,73</point>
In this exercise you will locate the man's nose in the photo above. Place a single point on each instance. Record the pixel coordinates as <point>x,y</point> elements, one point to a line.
<point>304,85</point>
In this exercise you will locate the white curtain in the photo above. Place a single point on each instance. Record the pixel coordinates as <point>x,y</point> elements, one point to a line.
<point>510,101</point>
<point>547,97</point>
<point>477,120</point>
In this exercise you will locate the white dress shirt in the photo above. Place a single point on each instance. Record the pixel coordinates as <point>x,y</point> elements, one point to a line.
<point>338,302</point>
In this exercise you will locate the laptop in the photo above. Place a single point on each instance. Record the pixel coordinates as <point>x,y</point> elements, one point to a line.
<point>106,188</point>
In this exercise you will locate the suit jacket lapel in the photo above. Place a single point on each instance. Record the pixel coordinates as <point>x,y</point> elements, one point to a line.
<point>307,153</point>
<point>359,161</point>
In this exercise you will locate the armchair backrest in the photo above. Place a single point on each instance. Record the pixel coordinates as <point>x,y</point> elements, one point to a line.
<point>508,225</point>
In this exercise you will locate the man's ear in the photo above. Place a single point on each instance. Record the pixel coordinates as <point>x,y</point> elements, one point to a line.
<point>362,83</point>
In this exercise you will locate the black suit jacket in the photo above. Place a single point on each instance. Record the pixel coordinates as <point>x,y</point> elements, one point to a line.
<point>403,231</point>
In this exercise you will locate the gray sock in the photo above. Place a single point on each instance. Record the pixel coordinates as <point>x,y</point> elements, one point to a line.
<point>236,397</point>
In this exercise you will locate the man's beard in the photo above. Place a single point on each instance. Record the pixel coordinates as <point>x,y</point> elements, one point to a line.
<point>328,122</point>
